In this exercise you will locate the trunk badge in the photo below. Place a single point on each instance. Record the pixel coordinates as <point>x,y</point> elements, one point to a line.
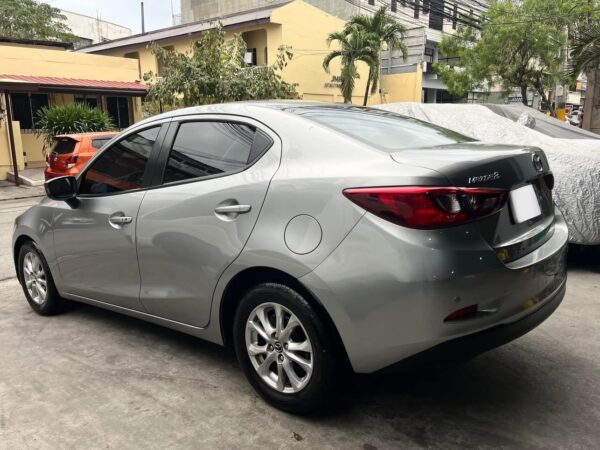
<point>481,178</point>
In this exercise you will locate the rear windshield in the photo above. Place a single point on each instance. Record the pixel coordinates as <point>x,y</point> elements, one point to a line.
<point>63,146</point>
<point>99,142</point>
<point>382,129</point>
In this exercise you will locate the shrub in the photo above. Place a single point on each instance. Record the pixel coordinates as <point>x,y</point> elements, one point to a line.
<point>73,118</point>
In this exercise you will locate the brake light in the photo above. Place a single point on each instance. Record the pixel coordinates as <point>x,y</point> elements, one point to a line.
<point>71,161</point>
<point>428,207</point>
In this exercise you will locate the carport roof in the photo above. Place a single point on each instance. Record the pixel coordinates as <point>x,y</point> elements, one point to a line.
<point>59,84</point>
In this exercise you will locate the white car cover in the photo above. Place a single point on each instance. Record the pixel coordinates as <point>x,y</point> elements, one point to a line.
<point>574,162</point>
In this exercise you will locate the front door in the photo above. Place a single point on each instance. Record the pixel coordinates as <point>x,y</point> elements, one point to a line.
<point>94,238</point>
<point>192,227</point>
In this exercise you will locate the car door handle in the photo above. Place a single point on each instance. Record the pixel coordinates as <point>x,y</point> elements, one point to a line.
<point>120,220</point>
<point>233,209</point>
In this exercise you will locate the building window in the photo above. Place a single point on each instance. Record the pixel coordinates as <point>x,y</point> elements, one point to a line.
<point>416,15</point>
<point>25,108</point>
<point>436,18</point>
<point>90,100</point>
<point>251,58</point>
<point>394,6</point>
<point>372,2</point>
<point>119,111</point>
<point>454,16</point>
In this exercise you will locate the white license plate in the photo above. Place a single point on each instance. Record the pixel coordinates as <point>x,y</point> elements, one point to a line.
<point>524,204</point>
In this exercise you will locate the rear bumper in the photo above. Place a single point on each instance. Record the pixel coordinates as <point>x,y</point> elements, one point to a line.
<point>389,289</point>
<point>466,347</point>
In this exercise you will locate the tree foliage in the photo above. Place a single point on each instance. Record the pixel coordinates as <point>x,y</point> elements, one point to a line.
<point>519,46</point>
<point>361,40</point>
<point>28,19</point>
<point>585,50</point>
<point>72,118</point>
<point>213,70</point>
<point>380,30</point>
<point>352,48</point>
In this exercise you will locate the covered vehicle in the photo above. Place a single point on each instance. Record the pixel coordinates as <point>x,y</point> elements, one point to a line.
<point>574,154</point>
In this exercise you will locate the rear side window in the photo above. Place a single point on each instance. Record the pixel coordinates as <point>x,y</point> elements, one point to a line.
<point>202,149</point>
<point>120,167</point>
<point>99,142</point>
<point>64,146</point>
<point>382,129</point>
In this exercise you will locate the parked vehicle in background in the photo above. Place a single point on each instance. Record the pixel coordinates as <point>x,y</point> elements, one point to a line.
<point>312,238</point>
<point>574,118</point>
<point>71,152</point>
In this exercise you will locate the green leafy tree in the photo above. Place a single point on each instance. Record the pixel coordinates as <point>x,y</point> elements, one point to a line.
<point>585,50</point>
<point>352,48</point>
<point>381,30</point>
<point>213,70</point>
<point>72,118</point>
<point>28,19</point>
<point>520,45</point>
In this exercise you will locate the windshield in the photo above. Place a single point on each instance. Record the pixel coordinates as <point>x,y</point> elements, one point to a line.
<point>387,131</point>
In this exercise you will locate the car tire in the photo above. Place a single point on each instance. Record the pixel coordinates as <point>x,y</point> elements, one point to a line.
<point>37,282</point>
<point>286,385</point>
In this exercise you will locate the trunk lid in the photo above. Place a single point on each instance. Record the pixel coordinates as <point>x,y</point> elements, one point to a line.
<point>473,165</point>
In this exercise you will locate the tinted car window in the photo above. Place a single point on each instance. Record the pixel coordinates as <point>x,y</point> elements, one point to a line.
<point>385,130</point>
<point>120,167</point>
<point>202,149</point>
<point>99,142</point>
<point>64,146</point>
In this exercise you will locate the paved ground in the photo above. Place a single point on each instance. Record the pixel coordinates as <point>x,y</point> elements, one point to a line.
<point>94,379</point>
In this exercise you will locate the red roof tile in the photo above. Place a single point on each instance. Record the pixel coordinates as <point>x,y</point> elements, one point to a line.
<point>57,82</point>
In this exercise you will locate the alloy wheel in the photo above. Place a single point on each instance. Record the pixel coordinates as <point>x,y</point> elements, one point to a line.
<point>279,348</point>
<point>35,278</point>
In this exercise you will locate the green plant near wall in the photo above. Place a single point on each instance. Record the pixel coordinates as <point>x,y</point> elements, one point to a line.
<point>68,119</point>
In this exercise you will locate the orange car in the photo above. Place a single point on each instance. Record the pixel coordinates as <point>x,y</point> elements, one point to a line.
<point>72,152</point>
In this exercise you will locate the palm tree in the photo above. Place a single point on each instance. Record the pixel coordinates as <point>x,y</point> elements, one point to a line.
<point>353,47</point>
<point>585,50</point>
<point>380,29</point>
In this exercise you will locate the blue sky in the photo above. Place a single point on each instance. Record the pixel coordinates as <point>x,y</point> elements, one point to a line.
<point>124,12</point>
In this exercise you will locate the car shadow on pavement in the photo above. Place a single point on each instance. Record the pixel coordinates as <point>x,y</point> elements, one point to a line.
<point>421,404</point>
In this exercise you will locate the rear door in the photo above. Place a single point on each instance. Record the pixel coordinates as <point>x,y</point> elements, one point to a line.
<point>214,178</point>
<point>94,237</point>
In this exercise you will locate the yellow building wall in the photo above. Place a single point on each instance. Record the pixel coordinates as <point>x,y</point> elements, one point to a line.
<point>305,28</point>
<point>43,62</point>
<point>5,155</point>
<point>297,24</point>
<point>403,87</point>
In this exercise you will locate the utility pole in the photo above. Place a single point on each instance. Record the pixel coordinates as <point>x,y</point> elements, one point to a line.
<point>143,22</point>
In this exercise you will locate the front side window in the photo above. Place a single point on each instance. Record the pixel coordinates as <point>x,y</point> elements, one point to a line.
<point>202,149</point>
<point>121,167</point>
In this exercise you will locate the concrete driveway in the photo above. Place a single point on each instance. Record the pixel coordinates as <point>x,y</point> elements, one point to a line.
<point>94,379</point>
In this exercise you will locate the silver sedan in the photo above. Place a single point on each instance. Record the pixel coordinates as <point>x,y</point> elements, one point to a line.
<point>312,238</point>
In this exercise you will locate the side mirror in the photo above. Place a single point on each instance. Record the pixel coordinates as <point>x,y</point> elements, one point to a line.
<point>61,188</point>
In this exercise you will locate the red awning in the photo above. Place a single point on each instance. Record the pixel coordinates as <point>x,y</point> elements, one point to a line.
<point>57,84</point>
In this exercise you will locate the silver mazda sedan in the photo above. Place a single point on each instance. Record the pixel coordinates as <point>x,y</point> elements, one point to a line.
<point>310,237</point>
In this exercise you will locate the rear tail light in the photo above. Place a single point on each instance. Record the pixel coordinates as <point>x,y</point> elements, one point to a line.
<point>428,207</point>
<point>71,161</point>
